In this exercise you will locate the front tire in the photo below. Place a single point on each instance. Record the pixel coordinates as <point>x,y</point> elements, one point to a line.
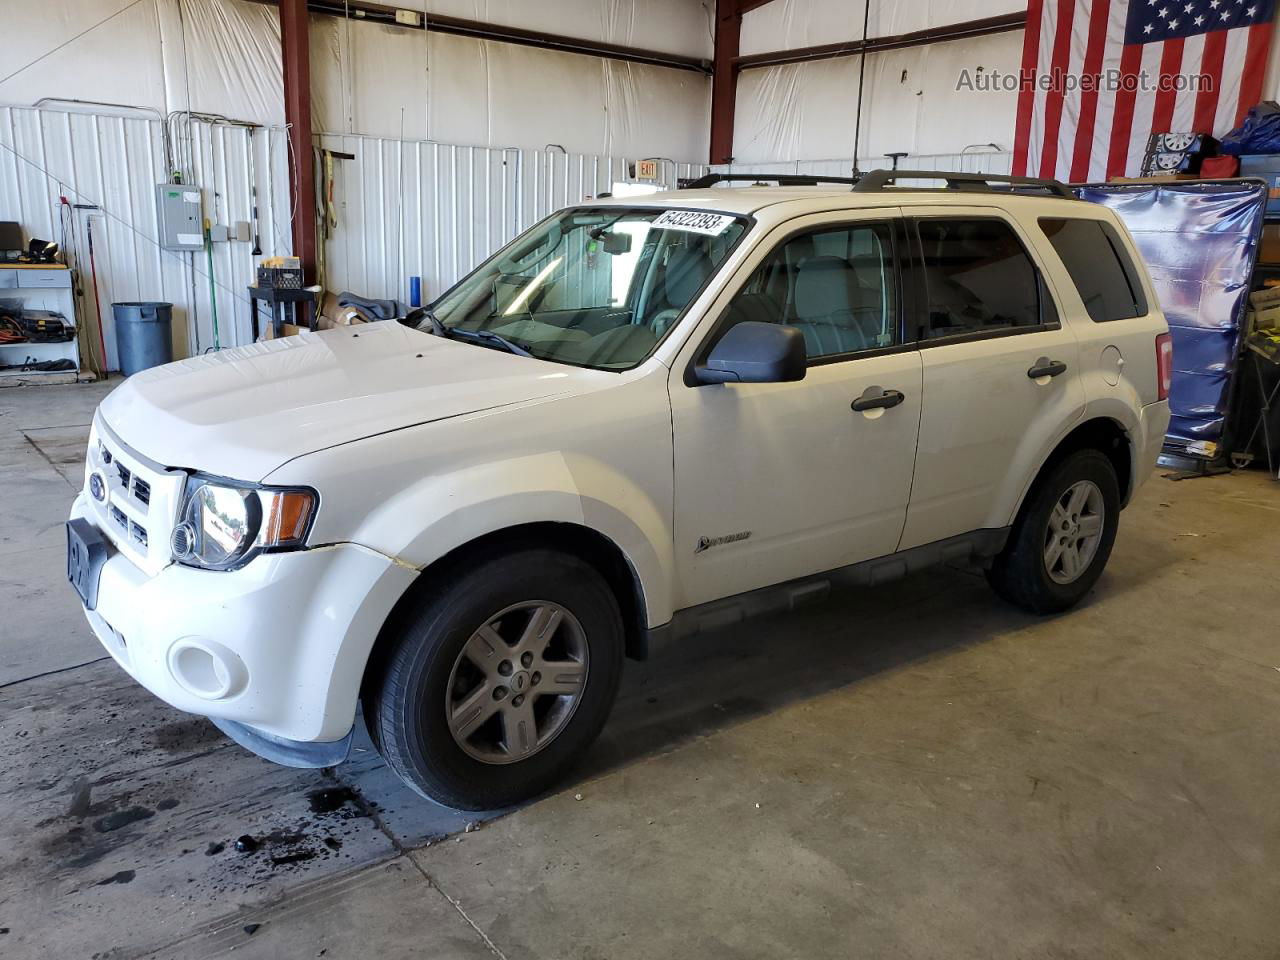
<point>499,679</point>
<point>1063,536</point>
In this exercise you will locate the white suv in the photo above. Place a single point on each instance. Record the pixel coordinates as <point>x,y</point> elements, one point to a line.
<point>641,418</point>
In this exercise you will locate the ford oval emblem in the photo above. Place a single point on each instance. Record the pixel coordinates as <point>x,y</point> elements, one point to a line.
<point>98,486</point>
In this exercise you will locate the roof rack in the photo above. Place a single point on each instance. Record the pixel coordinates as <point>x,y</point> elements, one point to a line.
<point>781,179</point>
<point>876,180</point>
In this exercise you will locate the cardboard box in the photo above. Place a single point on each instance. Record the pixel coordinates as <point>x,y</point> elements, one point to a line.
<point>328,316</point>
<point>287,330</point>
<point>1269,248</point>
<point>1261,299</point>
<point>1268,319</point>
<point>332,315</point>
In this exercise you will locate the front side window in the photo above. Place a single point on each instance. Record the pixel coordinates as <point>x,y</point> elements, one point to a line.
<point>836,285</point>
<point>596,287</point>
<point>978,278</point>
<point>1099,267</point>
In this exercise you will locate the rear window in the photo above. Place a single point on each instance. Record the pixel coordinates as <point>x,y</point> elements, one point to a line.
<point>978,277</point>
<point>1099,266</point>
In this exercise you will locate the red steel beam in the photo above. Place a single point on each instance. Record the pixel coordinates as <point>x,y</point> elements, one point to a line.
<point>851,48</point>
<point>724,79</point>
<point>296,60</point>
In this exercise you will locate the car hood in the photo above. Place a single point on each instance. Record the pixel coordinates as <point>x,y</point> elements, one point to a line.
<point>245,411</point>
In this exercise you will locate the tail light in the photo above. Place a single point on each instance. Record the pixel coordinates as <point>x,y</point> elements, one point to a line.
<point>1164,364</point>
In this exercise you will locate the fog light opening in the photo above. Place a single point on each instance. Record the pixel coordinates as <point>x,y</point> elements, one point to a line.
<point>207,671</point>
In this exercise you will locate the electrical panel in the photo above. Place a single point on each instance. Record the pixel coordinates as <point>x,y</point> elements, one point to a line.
<point>181,222</point>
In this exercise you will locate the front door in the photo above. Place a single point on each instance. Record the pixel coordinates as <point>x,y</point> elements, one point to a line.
<point>775,481</point>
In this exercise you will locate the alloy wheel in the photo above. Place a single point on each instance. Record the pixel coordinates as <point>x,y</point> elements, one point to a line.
<point>517,682</point>
<point>1074,531</point>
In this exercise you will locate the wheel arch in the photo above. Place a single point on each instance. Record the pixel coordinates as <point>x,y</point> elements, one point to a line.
<point>1104,434</point>
<point>588,545</point>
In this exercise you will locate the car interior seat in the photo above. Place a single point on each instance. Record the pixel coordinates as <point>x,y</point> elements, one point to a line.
<point>685,273</point>
<point>833,312</point>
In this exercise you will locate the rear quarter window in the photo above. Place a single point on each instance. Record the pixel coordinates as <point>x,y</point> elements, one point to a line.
<point>1099,266</point>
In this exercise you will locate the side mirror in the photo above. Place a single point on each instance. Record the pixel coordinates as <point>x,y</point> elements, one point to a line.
<point>754,352</point>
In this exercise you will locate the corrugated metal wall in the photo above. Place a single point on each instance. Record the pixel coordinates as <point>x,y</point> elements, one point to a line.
<point>434,210</point>
<point>401,208</point>
<point>109,164</point>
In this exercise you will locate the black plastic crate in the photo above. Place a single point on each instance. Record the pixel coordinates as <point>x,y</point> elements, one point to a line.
<point>280,278</point>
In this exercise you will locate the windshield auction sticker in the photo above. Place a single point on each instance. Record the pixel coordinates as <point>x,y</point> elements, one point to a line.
<point>694,221</point>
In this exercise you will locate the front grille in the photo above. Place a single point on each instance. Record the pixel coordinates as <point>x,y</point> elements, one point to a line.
<point>140,503</point>
<point>132,484</point>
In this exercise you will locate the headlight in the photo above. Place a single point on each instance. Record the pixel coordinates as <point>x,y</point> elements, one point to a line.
<point>224,525</point>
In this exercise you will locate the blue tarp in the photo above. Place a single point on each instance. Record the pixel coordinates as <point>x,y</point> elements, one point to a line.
<point>1199,241</point>
<point>1260,132</point>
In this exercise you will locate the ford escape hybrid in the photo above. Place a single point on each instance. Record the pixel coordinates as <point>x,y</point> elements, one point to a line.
<point>640,418</point>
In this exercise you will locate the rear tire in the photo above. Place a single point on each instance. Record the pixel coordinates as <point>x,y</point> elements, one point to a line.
<point>1063,536</point>
<point>500,677</point>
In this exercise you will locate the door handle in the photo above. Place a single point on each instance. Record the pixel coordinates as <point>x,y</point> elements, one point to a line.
<point>1044,367</point>
<point>874,397</point>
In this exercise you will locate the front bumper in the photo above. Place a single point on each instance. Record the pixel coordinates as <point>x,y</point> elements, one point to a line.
<point>278,646</point>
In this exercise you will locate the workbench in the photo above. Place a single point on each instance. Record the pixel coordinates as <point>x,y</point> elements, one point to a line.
<point>278,298</point>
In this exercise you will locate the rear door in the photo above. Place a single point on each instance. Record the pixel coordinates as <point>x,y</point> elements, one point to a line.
<point>1001,371</point>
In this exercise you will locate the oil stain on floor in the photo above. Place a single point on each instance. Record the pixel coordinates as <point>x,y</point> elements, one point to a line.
<point>112,797</point>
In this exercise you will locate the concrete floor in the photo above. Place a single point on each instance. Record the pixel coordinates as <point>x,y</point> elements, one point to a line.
<point>916,771</point>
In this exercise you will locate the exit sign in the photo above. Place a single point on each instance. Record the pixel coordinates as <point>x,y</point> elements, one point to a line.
<point>647,170</point>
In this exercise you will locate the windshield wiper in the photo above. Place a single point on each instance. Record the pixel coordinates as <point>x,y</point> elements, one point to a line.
<point>448,333</point>
<point>497,339</point>
<point>437,327</point>
<point>426,313</point>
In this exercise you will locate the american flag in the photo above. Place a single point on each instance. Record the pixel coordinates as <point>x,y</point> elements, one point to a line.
<point>1076,134</point>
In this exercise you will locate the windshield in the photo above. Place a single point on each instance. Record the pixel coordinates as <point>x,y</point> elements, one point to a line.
<point>593,287</point>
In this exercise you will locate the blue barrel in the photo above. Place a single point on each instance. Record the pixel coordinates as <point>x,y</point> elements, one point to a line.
<point>144,335</point>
